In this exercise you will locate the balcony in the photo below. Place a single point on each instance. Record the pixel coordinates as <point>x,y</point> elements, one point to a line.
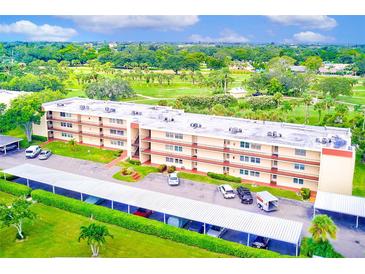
<point>92,134</point>
<point>89,123</point>
<point>62,129</point>
<point>65,119</point>
<point>114,126</point>
<point>273,156</point>
<point>115,137</point>
<point>234,165</point>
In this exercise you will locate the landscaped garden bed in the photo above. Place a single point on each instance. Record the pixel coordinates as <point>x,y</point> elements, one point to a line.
<point>133,171</point>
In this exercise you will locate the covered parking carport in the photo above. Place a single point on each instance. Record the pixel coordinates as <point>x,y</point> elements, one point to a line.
<point>8,143</point>
<point>251,224</point>
<point>339,203</point>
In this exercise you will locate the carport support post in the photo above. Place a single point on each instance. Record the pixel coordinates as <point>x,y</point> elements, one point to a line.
<point>357,221</point>
<point>27,182</point>
<point>53,190</point>
<point>112,204</point>
<point>205,228</point>
<point>296,249</point>
<point>81,198</point>
<point>129,209</point>
<point>248,239</point>
<point>164,218</point>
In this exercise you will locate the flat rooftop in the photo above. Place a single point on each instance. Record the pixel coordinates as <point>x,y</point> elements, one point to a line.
<point>175,120</point>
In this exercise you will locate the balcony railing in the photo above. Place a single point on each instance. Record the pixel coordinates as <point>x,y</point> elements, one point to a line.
<point>235,165</point>
<point>271,156</point>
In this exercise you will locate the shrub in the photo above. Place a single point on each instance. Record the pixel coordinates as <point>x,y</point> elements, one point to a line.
<point>311,248</point>
<point>162,168</point>
<point>14,188</point>
<point>126,171</point>
<point>118,153</point>
<point>224,177</point>
<point>305,193</point>
<point>134,162</point>
<point>150,227</point>
<point>39,138</point>
<point>171,169</point>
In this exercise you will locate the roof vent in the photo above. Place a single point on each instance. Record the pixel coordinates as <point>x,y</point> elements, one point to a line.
<point>60,104</point>
<point>269,133</point>
<point>235,130</point>
<point>168,119</point>
<point>195,125</point>
<point>135,112</point>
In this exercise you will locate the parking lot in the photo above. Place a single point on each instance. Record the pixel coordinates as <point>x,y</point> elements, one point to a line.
<point>350,241</point>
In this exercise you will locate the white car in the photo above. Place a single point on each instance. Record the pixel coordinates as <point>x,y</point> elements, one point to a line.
<point>227,191</point>
<point>32,151</point>
<point>173,180</point>
<point>216,231</point>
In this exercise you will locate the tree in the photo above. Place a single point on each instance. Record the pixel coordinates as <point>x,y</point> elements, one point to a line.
<point>307,101</point>
<point>27,109</point>
<point>319,107</point>
<point>109,89</point>
<point>2,108</point>
<point>16,214</point>
<point>313,63</point>
<point>95,235</point>
<point>278,98</point>
<point>275,86</point>
<point>322,227</point>
<point>334,86</point>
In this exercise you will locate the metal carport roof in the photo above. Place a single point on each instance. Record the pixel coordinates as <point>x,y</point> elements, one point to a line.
<point>7,140</point>
<point>231,218</point>
<point>346,204</point>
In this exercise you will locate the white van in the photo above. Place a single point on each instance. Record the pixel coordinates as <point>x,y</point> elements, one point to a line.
<point>266,201</point>
<point>32,151</point>
<point>176,221</point>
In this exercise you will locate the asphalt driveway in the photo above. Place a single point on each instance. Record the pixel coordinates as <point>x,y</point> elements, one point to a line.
<point>350,241</point>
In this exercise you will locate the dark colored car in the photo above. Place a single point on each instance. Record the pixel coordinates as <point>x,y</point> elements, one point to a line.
<point>245,195</point>
<point>261,242</point>
<point>142,212</point>
<point>257,93</point>
<point>195,226</point>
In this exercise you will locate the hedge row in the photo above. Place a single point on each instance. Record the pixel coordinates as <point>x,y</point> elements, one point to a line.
<point>13,188</point>
<point>150,227</point>
<point>224,177</point>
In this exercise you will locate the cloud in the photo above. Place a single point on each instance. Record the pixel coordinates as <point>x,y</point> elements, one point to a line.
<point>323,22</point>
<point>35,32</point>
<point>309,37</point>
<point>226,36</point>
<point>110,23</point>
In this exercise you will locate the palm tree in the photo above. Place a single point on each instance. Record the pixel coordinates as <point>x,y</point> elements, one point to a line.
<point>307,101</point>
<point>320,106</point>
<point>322,227</point>
<point>95,235</point>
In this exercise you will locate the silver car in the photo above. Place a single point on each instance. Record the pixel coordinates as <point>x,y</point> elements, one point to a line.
<point>216,231</point>
<point>44,155</point>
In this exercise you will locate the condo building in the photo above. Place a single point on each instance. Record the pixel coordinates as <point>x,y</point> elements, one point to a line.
<point>262,152</point>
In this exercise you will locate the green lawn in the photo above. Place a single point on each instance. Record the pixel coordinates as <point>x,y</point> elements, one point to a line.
<point>19,133</point>
<point>359,178</point>
<point>55,232</point>
<point>81,152</point>
<point>275,191</point>
<point>142,170</point>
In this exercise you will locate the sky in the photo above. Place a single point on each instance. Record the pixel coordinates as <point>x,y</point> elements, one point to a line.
<point>190,28</point>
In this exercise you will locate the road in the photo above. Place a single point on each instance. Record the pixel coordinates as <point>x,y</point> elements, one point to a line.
<point>350,241</point>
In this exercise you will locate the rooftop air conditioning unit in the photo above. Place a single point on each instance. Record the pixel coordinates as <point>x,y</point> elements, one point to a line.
<point>82,107</point>
<point>60,104</point>
<point>269,133</point>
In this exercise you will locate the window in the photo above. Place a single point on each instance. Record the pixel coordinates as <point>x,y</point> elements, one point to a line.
<point>255,146</point>
<point>255,160</point>
<point>174,135</point>
<point>64,124</point>
<point>254,173</point>
<point>65,114</point>
<point>245,145</point>
<point>169,159</point>
<point>178,161</point>
<point>66,134</point>
<point>244,171</point>
<point>115,121</point>
<point>117,143</point>
<point>116,132</point>
<point>299,166</point>
<point>300,152</point>
<point>169,147</point>
<point>178,148</point>
<point>298,181</point>
<point>244,158</point>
